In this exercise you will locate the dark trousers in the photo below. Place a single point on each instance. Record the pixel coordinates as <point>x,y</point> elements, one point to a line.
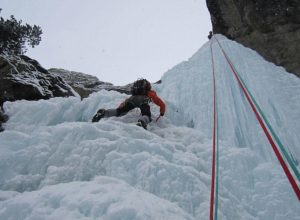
<point>139,101</point>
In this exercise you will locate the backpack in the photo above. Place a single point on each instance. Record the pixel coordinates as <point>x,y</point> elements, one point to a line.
<point>140,87</point>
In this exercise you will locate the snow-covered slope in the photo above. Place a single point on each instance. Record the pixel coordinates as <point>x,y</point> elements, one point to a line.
<point>56,164</point>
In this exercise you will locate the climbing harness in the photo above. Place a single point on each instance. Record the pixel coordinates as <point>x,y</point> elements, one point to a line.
<point>262,121</point>
<point>215,151</point>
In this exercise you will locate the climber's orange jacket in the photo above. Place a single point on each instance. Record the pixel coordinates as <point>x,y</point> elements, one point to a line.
<point>153,96</point>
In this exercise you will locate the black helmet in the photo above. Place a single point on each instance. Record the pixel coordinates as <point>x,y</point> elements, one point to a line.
<point>140,87</point>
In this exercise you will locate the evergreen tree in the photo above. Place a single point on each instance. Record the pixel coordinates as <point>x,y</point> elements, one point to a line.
<point>15,37</point>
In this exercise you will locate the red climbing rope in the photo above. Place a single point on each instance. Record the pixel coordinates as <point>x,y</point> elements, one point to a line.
<point>269,137</point>
<point>213,166</point>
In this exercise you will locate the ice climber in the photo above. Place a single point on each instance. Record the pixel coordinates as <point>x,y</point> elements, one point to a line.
<point>142,95</point>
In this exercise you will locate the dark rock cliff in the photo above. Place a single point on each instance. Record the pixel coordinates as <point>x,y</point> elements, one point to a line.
<point>24,78</point>
<point>271,27</point>
<point>85,84</point>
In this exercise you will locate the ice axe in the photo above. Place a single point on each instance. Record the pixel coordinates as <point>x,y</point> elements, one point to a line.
<point>157,118</point>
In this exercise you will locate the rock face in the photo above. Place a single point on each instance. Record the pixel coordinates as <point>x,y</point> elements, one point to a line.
<point>85,84</point>
<point>3,119</point>
<point>271,27</point>
<point>24,78</point>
